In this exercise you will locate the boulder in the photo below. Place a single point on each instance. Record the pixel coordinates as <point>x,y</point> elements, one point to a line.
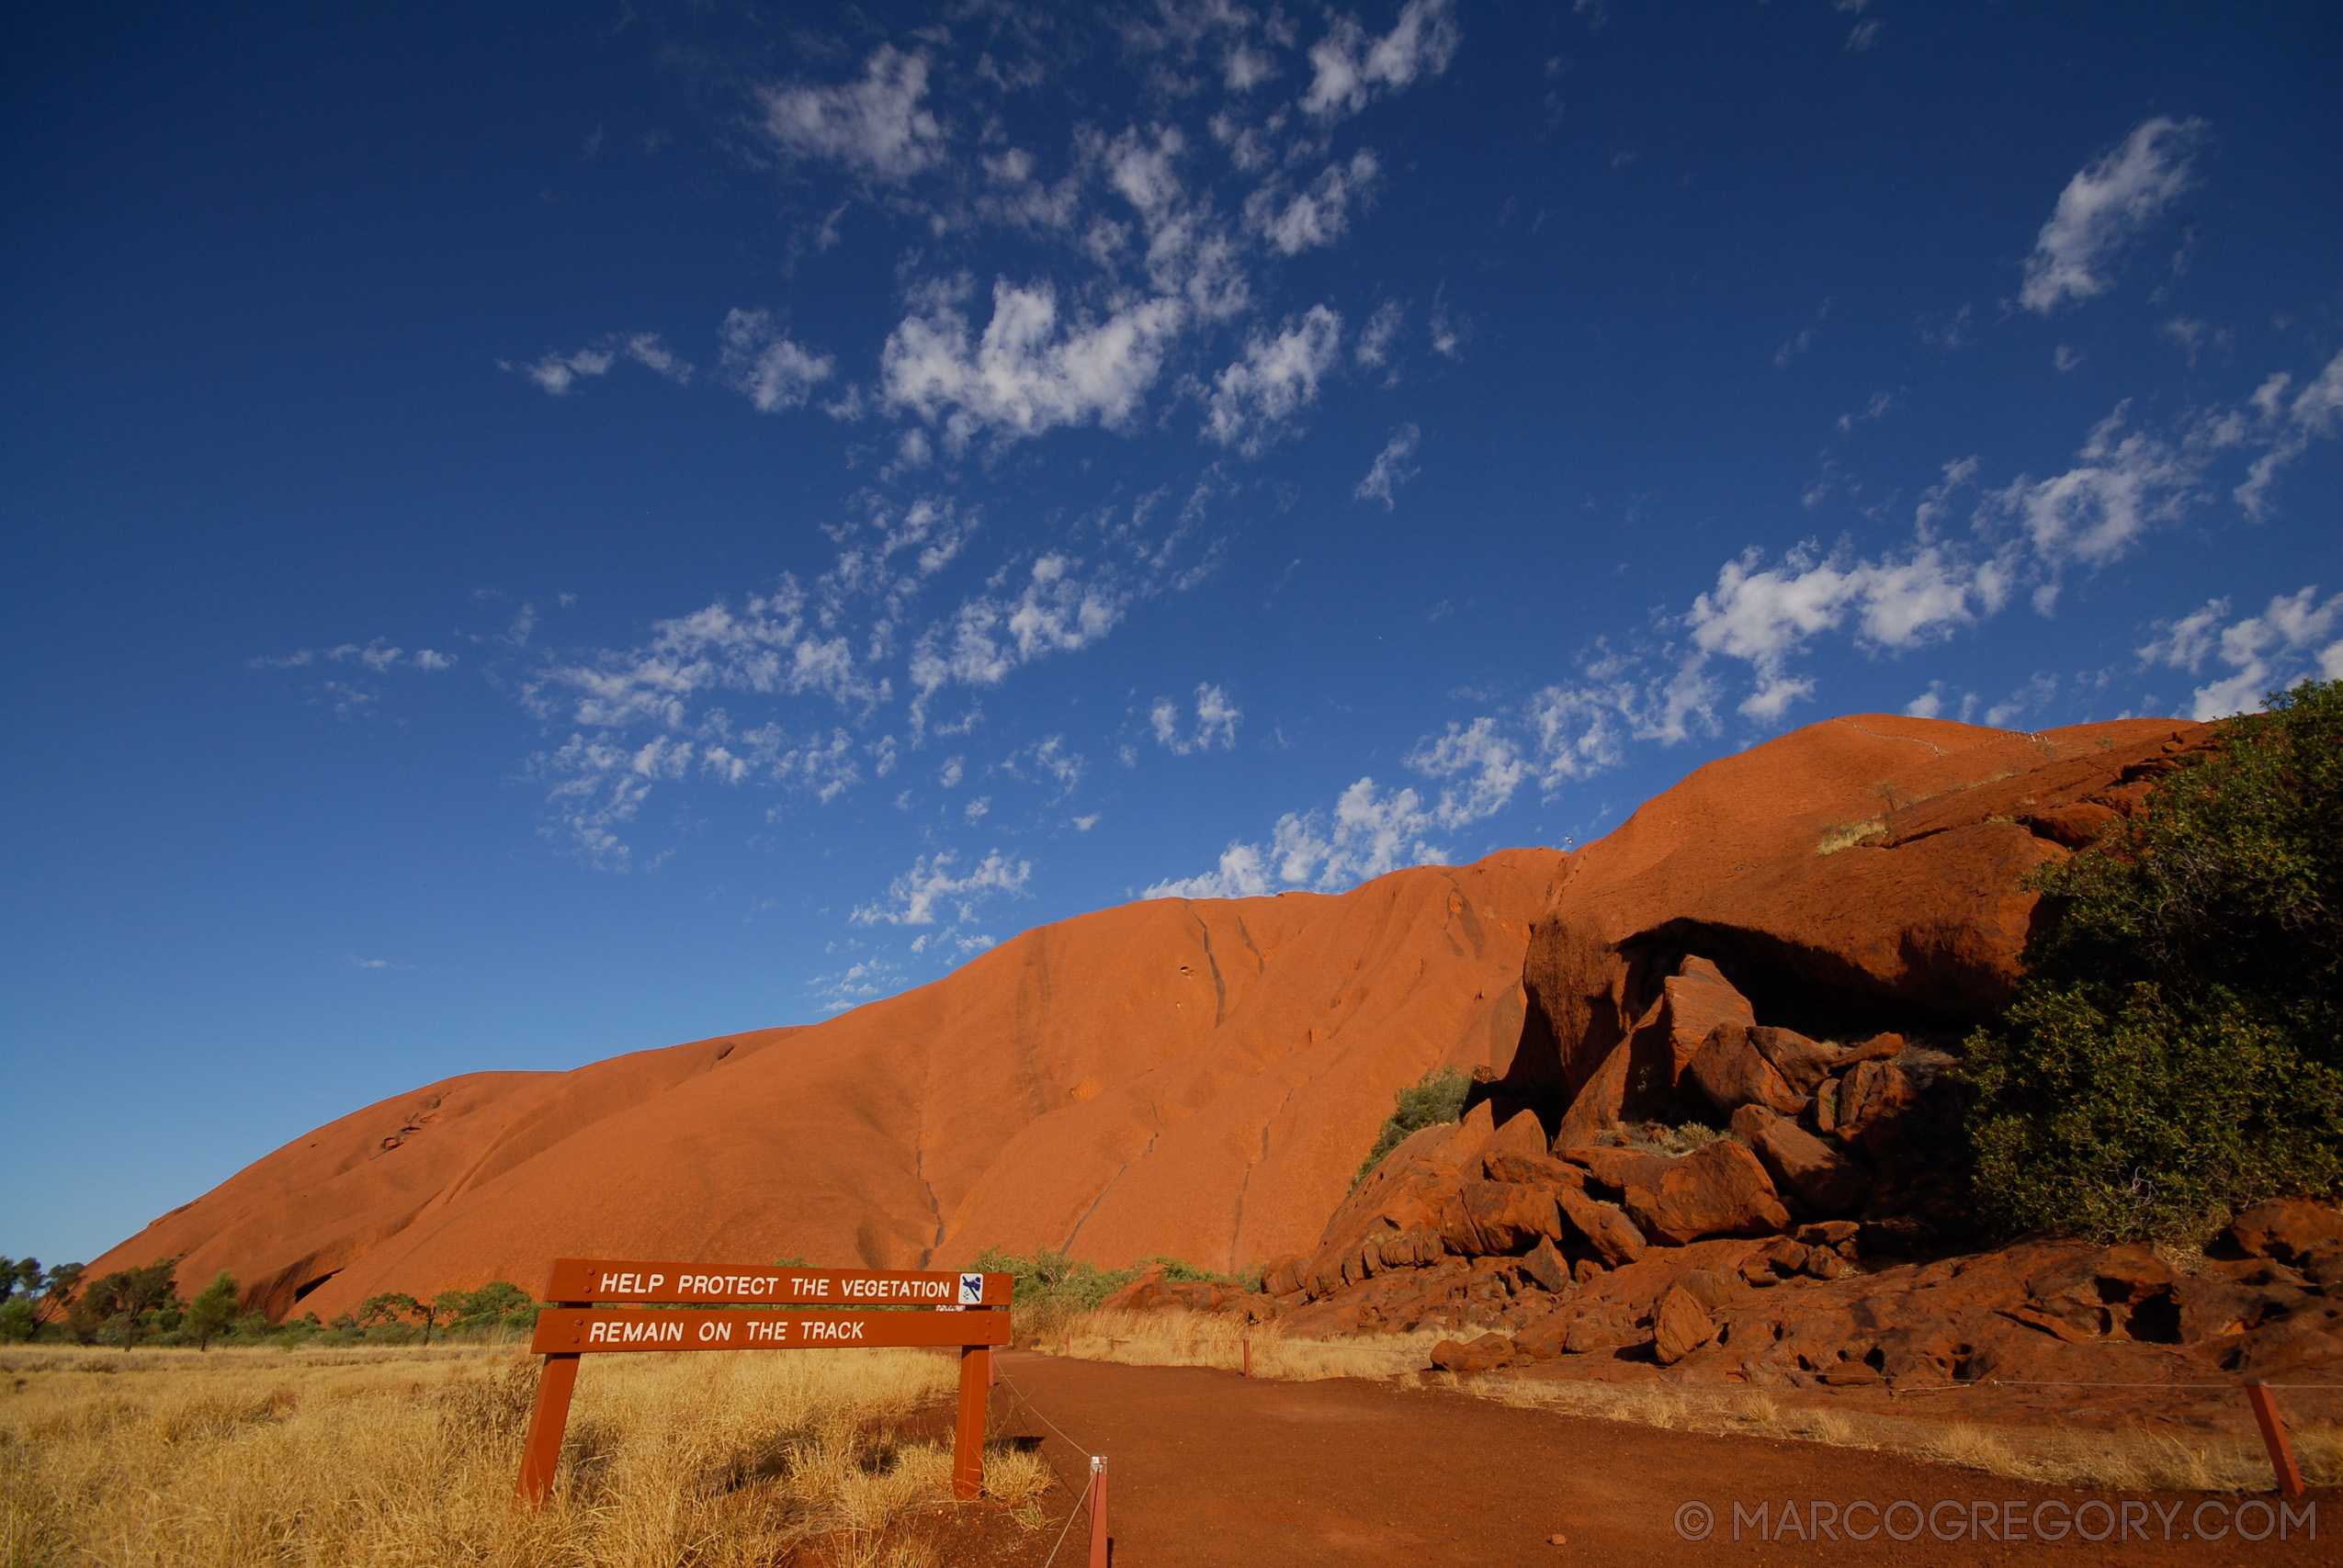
<point>1875,1099</point>
<point>1802,1062</point>
<point>1608,1231</point>
<point>1639,1076</point>
<point>1545,1264</point>
<point>1824,1179</point>
<point>1679,1325</point>
<point>1521,1135</point>
<point>1699,1001</point>
<point>1500,1218</point>
<point>1533,1168</point>
<point>1484,1354</point>
<point>2286,1229</point>
<point>1618,1168</point>
<point>1717,1189</point>
<point>1732,1072</point>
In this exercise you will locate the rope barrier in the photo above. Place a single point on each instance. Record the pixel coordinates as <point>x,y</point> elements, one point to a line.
<point>1089,1490</point>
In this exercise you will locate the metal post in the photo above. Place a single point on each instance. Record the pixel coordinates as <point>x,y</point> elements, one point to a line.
<point>968,1432</point>
<point>2273,1437</point>
<point>1101,1548</point>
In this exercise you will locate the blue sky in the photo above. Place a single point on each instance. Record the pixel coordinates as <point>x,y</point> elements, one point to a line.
<point>539,531</point>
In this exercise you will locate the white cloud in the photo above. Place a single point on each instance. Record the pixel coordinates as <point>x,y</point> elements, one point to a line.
<point>1253,398</point>
<point>874,125</point>
<point>558,372</point>
<point>1215,722</point>
<point>1764,615</point>
<point>1318,214</point>
<point>760,363</point>
<point>1376,337</point>
<point>1390,471</point>
<point>2290,424</point>
<point>864,981</point>
<point>1369,833</point>
<point>2123,483</point>
<point>1031,371</point>
<point>2107,203</point>
<point>1489,768</point>
<point>1349,68</point>
<point>915,897</point>
<point>1582,729</point>
<point>2295,638</point>
<point>379,656</point>
<point>767,647</point>
<point>1057,611</point>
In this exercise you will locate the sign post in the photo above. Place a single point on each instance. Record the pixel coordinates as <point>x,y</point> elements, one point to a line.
<point>804,1309</point>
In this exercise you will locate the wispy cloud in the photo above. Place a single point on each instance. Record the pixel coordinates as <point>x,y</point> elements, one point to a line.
<point>877,127</point>
<point>1253,401</point>
<point>1390,470</point>
<point>1216,721</point>
<point>762,363</point>
<point>1349,66</point>
<point>916,897</point>
<point>2107,203</point>
<point>2295,638</point>
<point>558,372</point>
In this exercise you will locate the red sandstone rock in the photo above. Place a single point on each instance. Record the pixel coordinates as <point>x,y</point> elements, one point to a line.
<point>1918,920</point>
<point>1717,1189</point>
<point>1874,1100</point>
<point>1612,1235</point>
<point>1679,1325</point>
<point>2287,1229</point>
<point>1533,1167</point>
<point>1824,1179</point>
<point>1547,1265</point>
<point>1501,1218</point>
<point>1199,1078</point>
<point>1732,1072</point>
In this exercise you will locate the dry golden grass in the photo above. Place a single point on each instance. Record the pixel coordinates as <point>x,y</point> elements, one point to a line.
<point>1213,1339</point>
<point>2134,1460</point>
<point>357,1457</point>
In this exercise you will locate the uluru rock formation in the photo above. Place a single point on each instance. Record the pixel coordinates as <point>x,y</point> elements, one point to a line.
<point>1202,1079</point>
<point>1198,1078</point>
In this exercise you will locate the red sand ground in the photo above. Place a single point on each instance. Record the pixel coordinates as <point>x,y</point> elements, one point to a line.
<point>1207,1470</point>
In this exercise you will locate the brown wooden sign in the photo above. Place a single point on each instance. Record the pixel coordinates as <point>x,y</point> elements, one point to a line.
<point>583,1329</point>
<point>814,1313</point>
<point>768,1284</point>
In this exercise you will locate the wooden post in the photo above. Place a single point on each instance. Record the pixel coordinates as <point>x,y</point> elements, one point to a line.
<point>1249,1358</point>
<point>547,1423</point>
<point>968,1432</point>
<point>2273,1437</point>
<point>1102,1549</point>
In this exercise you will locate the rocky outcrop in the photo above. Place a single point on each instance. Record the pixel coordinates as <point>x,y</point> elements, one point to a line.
<point>1199,1078</point>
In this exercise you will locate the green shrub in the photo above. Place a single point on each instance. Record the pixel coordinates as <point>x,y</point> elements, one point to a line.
<point>1051,1288</point>
<point>2172,1053</point>
<point>1439,1096</point>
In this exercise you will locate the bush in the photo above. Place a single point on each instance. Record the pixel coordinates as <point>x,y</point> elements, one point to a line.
<point>1052,1288</point>
<point>2172,1053</point>
<point>1438,1096</point>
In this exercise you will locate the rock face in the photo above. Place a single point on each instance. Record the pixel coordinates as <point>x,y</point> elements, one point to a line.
<point>1202,1079</point>
<point>1193,1078</point>
<point>1859,874</point>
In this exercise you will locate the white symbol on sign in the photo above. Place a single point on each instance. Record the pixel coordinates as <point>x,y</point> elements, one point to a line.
<point>971,1290</point>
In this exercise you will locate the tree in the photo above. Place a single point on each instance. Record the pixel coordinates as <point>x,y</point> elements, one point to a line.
<point>390,1307</point>
<point>2173,1051</point>
<point>213,1309</point>
<point>130,1293</point>
<point>57,1289</point>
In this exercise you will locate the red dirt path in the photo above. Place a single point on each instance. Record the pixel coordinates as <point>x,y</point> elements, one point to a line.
<point>1207,1468</point>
